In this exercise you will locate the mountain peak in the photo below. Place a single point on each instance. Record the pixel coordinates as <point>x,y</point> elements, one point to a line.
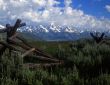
<point>54,28</point>
<point>43,28</point>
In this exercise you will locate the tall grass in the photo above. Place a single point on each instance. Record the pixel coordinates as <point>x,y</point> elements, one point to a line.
<point>86,63</point>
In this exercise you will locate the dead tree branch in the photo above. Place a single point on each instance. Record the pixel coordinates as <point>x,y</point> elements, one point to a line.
<point>11,43</point>
<point>98,38</point>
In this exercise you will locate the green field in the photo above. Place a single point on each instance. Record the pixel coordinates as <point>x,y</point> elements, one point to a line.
<point>86,63</point>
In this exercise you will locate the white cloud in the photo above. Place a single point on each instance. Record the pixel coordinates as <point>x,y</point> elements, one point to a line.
<point>45,14</point>
<point>2,7</point>
<point>28,10</point>
<point>69,11</point>
<point>67,2</point>
<point>39,2</point>
<point>52,2</point>
<point>31,15</point>
<point>108,8</point>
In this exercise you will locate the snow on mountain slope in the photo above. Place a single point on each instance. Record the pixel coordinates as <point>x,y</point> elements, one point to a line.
<point>52,27</point>
<point>44,29</point>
<point>52,32</point>
<point>49,28</point>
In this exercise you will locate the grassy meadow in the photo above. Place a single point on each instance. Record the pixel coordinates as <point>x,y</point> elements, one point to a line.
<point>86,63</point>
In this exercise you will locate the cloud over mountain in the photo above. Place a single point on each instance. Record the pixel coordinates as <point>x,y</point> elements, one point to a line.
<point>49,11</point>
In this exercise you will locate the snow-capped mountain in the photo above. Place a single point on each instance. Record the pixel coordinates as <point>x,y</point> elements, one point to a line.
<point>52,32</point>
<point>49,28</point>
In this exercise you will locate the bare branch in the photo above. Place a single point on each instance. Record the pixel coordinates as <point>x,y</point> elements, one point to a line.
<point>32,65</point>
<point>97,38</point>
<point>27,52</point>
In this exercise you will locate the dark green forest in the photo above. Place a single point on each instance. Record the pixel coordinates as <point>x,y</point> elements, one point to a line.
<point>85,63</point>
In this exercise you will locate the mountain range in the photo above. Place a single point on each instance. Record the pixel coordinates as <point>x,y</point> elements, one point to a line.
<point>52,32</point>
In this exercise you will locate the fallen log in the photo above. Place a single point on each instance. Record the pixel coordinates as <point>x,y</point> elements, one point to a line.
<point>33,65</point>
<point>38,57</point>
<point>28,48</point>
<point>39,51</point>
<point>28,52</point>
<point>9,46</point>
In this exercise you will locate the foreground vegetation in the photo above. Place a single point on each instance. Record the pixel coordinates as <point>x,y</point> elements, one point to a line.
<point>86,63</point>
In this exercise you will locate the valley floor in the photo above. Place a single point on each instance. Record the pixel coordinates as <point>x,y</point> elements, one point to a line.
<point>86,63</point>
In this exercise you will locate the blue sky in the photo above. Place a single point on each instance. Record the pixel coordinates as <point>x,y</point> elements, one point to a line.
<point>92,7</point>
<point>81,14</point>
